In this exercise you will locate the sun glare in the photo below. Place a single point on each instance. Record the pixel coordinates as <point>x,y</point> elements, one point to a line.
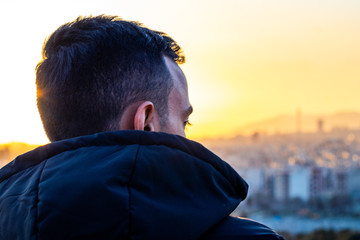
<point>246,60</point>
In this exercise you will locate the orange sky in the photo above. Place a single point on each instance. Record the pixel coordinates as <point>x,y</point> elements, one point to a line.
<point>246,60</point>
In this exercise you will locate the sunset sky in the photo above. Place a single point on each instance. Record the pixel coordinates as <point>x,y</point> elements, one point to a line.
<point>246,60</point>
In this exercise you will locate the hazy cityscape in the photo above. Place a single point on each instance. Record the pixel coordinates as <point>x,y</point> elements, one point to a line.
<point>299,182</point>
<point>274,85</point>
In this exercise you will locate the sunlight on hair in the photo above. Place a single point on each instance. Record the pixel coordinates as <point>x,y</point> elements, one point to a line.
<point>250,63</point>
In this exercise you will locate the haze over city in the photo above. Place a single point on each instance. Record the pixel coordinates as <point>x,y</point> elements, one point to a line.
<point>246,60</point>
<point>274,86</point>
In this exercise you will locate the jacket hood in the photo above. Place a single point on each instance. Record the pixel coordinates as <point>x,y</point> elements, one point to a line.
<point>125,184</point>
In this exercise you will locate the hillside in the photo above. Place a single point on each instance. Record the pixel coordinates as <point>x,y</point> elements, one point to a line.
<point>304,123</point>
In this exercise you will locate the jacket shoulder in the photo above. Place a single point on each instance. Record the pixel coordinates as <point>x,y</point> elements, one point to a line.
<point>232,228</point>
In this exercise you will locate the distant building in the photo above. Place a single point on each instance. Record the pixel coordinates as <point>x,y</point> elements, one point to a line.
<point>255,177</point>
<point>320,125</point>
<point>353,188</point>
<point>299,183</point>
<point>269,187</point>
<point>281,186</point>
<point>315,182</point>
<point>341,182</point>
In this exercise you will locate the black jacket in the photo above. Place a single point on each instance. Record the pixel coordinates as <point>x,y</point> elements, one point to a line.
<point>123,185</point>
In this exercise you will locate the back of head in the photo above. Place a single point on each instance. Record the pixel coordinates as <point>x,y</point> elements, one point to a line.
<point>94,67</point>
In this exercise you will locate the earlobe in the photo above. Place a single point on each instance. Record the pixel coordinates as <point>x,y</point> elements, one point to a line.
<point>144,117</point>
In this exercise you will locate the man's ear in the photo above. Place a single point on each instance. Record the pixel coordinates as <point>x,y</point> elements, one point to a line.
<point>145,117</point>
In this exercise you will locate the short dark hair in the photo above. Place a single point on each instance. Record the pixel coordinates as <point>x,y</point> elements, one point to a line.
<point>94,67</point>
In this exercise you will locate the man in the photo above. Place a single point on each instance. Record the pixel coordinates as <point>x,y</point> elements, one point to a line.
<point>114,103</point>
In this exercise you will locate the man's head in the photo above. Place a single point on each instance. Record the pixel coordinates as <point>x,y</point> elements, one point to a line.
<point>103,74</point>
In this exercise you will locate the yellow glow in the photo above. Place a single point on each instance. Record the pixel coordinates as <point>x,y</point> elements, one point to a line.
<point>246,60</point>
